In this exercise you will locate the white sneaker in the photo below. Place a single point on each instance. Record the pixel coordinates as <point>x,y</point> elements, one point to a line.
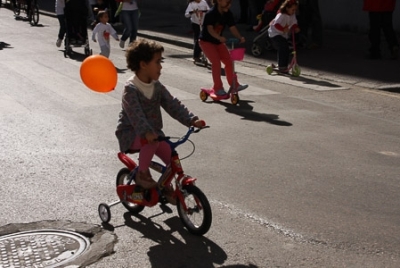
<point>121,43</point>
<point>58,43</point>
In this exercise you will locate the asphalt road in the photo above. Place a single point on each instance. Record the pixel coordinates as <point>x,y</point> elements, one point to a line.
<point>300,174</point>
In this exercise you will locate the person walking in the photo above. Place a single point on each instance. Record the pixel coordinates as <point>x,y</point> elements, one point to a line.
<point>130,19</point>
<point>380,14</point>
<point>195,11</point>
<point>213,44</point>
<point>60,5</point>
<point>103,30</point>
<point>310,18</point>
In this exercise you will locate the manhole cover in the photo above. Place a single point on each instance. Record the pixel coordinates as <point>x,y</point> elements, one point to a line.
<point>41,248</point>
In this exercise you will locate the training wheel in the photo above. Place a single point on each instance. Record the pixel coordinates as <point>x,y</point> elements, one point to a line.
<point>104,212</point>
<point>269,69</point>
<point>203,95</point>
<point>235,99</point>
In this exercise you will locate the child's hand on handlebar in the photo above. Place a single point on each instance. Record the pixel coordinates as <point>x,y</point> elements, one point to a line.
<point>222,39</point>
<point>199,123</point>
<point>242,40</point>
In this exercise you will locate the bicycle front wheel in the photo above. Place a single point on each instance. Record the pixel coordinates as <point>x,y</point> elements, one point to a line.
<point>198,217</point>
<point>34,15</point>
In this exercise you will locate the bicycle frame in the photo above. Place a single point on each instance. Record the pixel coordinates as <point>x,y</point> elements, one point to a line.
<point>168,173</point>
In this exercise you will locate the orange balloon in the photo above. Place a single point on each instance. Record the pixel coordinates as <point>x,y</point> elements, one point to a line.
<point>99,74</point>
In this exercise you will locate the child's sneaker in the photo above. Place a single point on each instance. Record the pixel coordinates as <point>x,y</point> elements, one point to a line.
<point>144,179</point>
<point>121,43</point>
<point>220,92</point>
<point>242,87</point>
<point>58,43</point>
<point>197,60</point>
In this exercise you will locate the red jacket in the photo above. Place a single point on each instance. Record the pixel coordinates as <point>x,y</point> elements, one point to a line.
<point>379,5</point>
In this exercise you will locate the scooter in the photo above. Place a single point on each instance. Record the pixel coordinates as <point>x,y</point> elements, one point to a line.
<point>237,54</point>
<point>293,68</point>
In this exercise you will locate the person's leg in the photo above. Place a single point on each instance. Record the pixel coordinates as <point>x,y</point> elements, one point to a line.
<point>164,152</point>
<point>126,21</point>
<point>146,154</point>
<point>316,23</point>
<point>225,58</point>
<point>63,28</point>
<point>282,46</point>
<point>196,46</point>
<point>105,51</point>
<point>134,19</point>
<point>387,27</point>
<point>211,52</point>
<point>375,34</point>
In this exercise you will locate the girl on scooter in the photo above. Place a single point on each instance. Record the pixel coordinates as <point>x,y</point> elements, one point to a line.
<point>213,43</point>
<point>280,27</point>
<point>140,121</point>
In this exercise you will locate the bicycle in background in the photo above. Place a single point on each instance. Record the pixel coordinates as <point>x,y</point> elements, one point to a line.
<point>29,7</point>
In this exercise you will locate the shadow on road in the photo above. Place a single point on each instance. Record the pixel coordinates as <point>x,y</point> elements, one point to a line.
<point>174,252</point>
<point>245,110</point>
<point>4,45</point>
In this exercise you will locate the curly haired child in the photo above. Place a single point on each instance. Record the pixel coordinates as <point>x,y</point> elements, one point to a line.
<point>140,118</point>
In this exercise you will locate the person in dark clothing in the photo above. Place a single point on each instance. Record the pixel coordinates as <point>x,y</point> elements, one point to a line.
<point>310,19</point>
<point>381,18</point>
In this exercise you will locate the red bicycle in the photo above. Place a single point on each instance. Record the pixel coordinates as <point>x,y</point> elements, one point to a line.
<point>193,207</point>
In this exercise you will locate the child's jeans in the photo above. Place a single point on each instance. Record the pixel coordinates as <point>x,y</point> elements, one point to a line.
<point>147,151</point>
<point>130,19</point>
<point>282,45</point>
<point>217,54</point>
<point>105,51</point>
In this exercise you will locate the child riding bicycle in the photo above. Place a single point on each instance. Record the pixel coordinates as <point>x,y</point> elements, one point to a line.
<point>140,121</point>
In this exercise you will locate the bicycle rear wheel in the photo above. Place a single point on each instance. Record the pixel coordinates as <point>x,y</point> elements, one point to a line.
<point>34,16</point>
<point>123,179</point>
<point>198,217</point>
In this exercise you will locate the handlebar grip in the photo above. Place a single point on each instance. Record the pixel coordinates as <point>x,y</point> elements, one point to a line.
<point>232,40</point>
<point>203,123</point>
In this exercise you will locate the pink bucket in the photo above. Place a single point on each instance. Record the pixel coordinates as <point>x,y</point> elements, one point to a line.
<point>237,53</point>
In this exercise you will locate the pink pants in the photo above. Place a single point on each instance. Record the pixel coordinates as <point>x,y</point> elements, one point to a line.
<point>217,54</point>
<point>147,152</point>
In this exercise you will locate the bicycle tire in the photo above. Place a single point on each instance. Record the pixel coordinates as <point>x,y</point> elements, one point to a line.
<point>122,179</point>
<point>192,194</point>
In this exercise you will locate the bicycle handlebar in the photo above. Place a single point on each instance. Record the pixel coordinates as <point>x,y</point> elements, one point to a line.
<point>232,41</point>
<point>182,139</point>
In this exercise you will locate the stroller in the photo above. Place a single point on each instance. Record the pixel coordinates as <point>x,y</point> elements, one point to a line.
<point>261,41</point>
<point>76,20</point>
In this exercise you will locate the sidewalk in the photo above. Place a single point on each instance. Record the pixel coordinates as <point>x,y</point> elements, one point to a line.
<point>342,59</point>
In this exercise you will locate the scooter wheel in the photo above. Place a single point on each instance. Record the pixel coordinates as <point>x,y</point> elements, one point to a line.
<point>269,69</point>
<point>104,212</point>
<point>296,70</point>
<point>235,99</point>
<point>203,95</point>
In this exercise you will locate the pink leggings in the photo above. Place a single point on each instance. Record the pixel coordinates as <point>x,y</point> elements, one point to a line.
<point>217,54</point>
<point>147,151</point>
